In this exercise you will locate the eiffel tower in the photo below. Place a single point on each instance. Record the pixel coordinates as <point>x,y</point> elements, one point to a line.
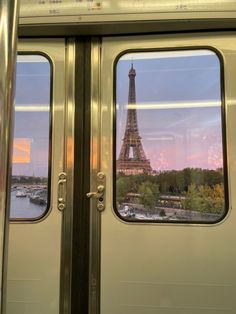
<point>132,158</point>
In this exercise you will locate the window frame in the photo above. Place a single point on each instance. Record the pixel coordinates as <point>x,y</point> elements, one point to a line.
<point>223,134</point>
<point>48,207</point>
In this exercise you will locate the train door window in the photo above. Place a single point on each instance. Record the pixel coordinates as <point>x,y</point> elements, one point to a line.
<point>169,137</point>
<point>31,144</point>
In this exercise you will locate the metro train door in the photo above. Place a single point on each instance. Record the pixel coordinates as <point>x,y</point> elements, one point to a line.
<point>165,157</point>
<point>35,278</point>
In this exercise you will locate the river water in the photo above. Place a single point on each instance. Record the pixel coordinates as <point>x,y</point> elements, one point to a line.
<point>21,207</point>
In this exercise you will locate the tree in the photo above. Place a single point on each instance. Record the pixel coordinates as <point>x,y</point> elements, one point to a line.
<point>192,200</point>
<point>149,194</point>
<point>205,199</point>
<point>122,188</point>
<point>218,196</point>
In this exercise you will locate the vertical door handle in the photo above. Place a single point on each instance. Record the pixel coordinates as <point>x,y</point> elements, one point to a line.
<point>61,191</point>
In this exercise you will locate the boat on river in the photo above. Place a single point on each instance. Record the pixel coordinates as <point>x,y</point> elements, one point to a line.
<point>39,197</point>
<point>21,194</point>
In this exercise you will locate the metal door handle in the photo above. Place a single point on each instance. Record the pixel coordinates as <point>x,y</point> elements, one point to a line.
<point>98,194</point>
<point>61,191</point>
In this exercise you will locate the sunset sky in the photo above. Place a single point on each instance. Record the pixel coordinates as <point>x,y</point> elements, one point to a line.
<point>179,115</point>
<point>178,100</point>
<point>31,129</point>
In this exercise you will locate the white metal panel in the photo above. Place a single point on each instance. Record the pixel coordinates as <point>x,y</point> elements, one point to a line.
<point>35,248</point>
<point>167,268</point>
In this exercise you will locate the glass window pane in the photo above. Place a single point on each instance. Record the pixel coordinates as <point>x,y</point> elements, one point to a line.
<point>169,151</point>
<point>29,189</point>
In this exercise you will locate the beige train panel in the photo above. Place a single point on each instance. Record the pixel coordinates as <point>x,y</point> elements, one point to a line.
<point>148,275</point>
<point>34,267</point>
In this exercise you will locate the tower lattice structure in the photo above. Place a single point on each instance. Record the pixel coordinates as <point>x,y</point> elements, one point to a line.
<point>132,158</point>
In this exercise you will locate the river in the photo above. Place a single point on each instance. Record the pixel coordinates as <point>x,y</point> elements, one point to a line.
<point>21,207</point>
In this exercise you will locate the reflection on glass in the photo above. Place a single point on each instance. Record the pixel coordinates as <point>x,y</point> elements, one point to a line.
<point>169,159</point>
<point>29,189</point>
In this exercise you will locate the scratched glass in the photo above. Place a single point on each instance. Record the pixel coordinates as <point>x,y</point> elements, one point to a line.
<point>31,145</point>
<point>169,137</point>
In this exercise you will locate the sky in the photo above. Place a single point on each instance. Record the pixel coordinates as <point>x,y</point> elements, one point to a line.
<point>178,100</point>
<point>31,126</point>
<point>178,107</point>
